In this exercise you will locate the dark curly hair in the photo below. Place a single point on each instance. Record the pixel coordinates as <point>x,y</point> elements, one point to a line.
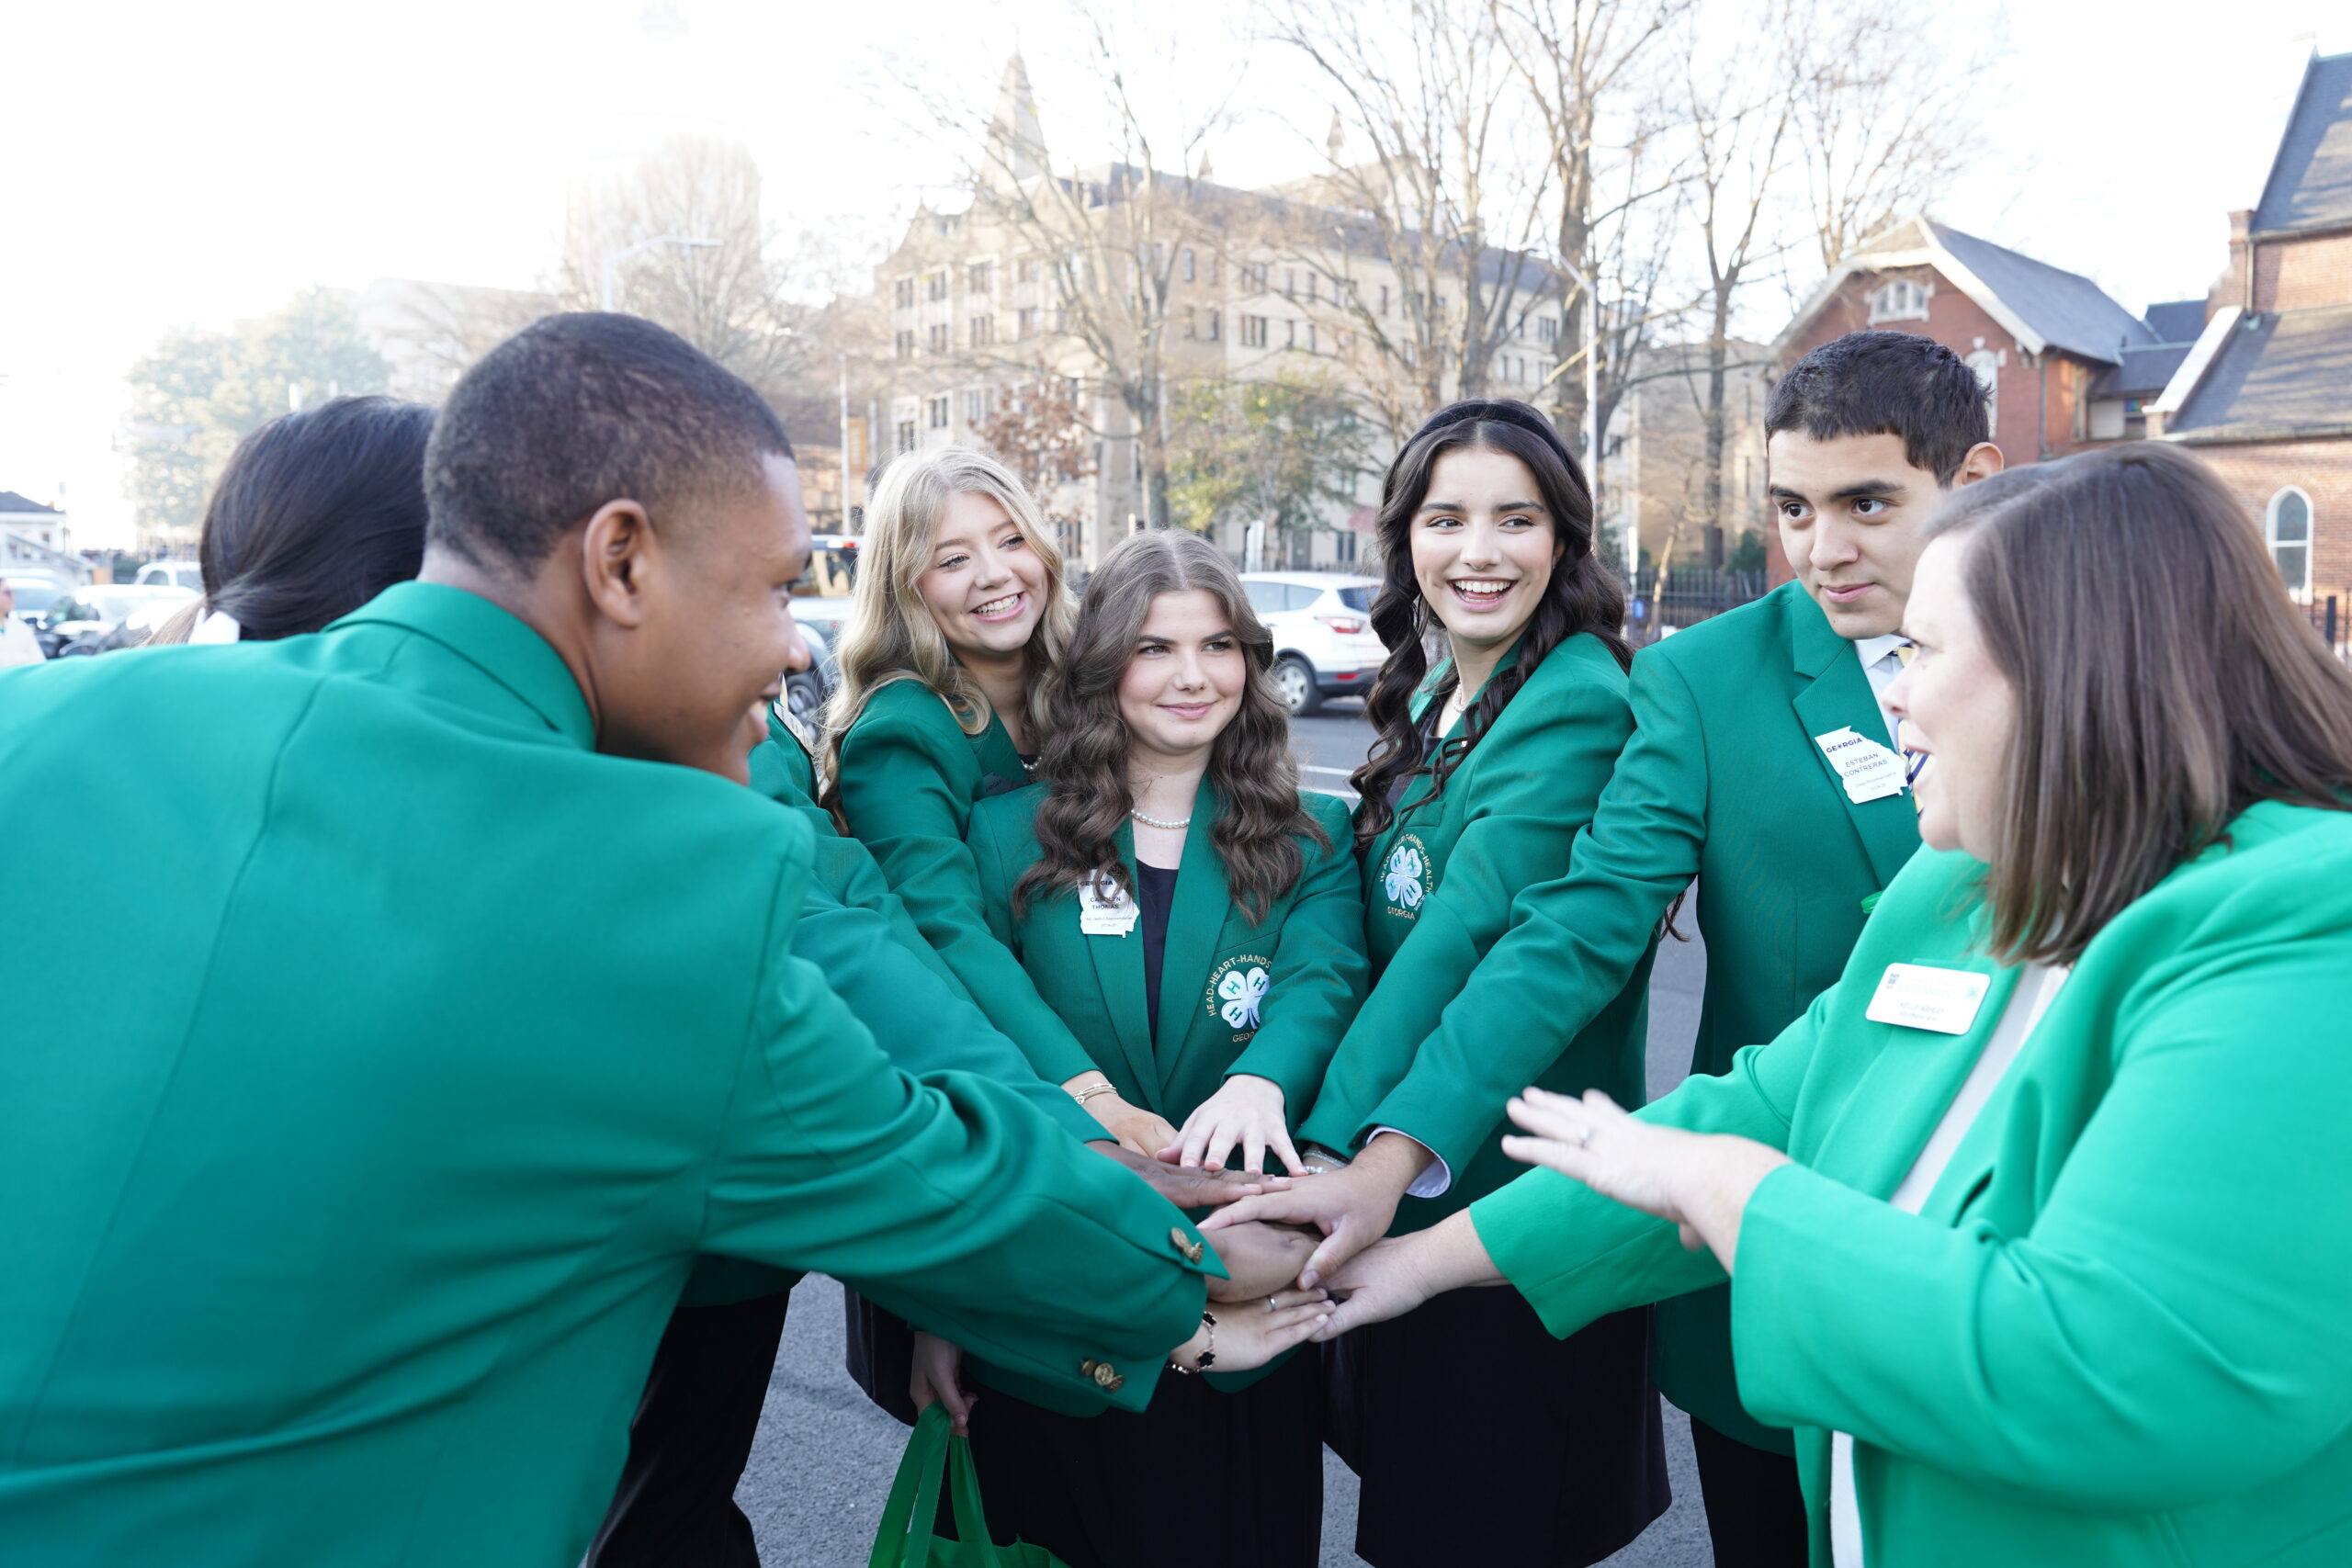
<point>1583,595</point>
<point>1085,761</point>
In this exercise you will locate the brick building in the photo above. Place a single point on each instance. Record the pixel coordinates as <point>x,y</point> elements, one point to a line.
<point>2068,367</point>
<point>2265,395</point>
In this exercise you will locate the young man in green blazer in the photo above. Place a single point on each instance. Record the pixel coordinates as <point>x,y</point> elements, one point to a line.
<point>465,1021</point>
<point>1729,779</point>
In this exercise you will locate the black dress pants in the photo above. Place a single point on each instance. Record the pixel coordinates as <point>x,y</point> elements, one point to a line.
<point>690,1440</point>
<point>1755,1512</point>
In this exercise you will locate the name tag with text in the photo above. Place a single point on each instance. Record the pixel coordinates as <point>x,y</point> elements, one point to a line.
<point>1868,769</point>
<point>1105,909</point>
<point>1919,996</point>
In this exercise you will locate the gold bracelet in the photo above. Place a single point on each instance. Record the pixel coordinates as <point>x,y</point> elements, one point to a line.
<point>1207,1358</point>
<point>1083,1094</point>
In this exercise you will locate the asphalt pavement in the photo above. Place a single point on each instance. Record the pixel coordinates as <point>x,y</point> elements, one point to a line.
<point>822,1466</point>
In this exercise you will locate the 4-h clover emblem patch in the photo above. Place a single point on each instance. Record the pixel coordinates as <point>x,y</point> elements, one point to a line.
<point>1237,990</point>
<point>1405,875</point>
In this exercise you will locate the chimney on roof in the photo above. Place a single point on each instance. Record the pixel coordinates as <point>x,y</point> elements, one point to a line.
<point>1336,143</point>
<point>2240,273</point>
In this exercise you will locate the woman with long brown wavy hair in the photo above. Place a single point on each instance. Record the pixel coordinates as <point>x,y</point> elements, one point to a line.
<point>1186,909</point>
<point>1478,1436</point>
<point>2038,1223</point>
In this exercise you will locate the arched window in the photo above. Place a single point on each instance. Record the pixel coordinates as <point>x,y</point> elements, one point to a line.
<point>1987,365</point>
<point>2287,529</point>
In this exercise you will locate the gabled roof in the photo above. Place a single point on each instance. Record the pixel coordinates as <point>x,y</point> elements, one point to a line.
<point>2310,185</point>
<point>2277,376</point>
<point>11,504</point>
<point>2141,373</point>
<point>2041,306</point>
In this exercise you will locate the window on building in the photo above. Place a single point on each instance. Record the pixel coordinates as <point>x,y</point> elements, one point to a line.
<point>1343,548</point>
<point>1547,328</point>
<point>980,403</point>
<point>1026,320</point>
<point>1253,277</point>
<point>1216,324</point>
<point>979,278</point>
<point>905,342</point>
<point>934,284</point>
<point>1290,335</point>
<point>1253,331</point>
<point>1310,337</point>
<point>938,338</point>
<point>1290,283</point>
<point>1987,365</point>
<point>902,293</point>
<point>1901,299</point>
<point>2287,528</point>
<point>1191,322</point>
<point>1025,270</point>
<point>983,330</point>
<point>1384,298</point>
<point>1188,264</point>
<point>906,436</point>
<point>938,410</point>
<point>1311,287</point>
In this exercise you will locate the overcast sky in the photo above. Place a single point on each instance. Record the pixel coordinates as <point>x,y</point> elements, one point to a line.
<point>188,165</point>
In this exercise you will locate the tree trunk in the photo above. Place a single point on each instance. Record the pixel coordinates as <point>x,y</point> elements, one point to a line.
<point>1711,494</point>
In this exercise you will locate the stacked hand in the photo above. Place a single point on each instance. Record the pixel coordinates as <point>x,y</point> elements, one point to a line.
<point>1247,1111</point>
<point>1191,1189</point>
<point>1350,1209</point>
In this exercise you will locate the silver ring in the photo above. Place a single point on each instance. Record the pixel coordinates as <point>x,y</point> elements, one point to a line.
<point>1270,1304</point>
<point>1584,1135</point>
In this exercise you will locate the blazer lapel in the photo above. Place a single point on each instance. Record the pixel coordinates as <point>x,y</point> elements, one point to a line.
<point>1118,974</point>
<point>1877,1136</point>
<point>1834,694</point>
<point>1195,920</point>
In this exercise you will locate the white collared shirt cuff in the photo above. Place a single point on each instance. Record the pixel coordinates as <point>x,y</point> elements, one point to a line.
<point>1435,1179</point>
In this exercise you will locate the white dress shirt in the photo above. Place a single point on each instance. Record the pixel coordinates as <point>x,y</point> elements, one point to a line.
<point>2035,986</point>
<point>1880,663</point>
<point>17,644</point>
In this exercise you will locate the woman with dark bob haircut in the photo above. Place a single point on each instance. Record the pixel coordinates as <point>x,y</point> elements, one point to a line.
<point>1197,920</point>
<point>317,513</point>
<point>2038,1225</point>
<point>1479,1436</point>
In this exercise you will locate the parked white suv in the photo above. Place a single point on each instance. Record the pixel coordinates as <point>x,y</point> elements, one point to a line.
<point>1324,644</point>
<point>171,574</point>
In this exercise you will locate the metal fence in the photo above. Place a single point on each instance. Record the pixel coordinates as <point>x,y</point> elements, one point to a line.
<point>1689,596</point>
<point>2328,619</point>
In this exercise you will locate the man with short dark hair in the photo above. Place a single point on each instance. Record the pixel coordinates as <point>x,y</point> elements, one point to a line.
<point>464,1021</point>
<point>1762,764</point>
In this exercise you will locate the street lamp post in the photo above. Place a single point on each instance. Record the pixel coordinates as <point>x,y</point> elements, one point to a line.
<point>608,296</point>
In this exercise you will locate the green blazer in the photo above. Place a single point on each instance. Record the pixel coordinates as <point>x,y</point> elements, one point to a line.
<point>2116,1333</point>
<point>354,1173</point>
<point>910,777</point>
<point>858,935</point>
<point>1721,782</point>
<point>1437,886</point>
<point>1269,999</point>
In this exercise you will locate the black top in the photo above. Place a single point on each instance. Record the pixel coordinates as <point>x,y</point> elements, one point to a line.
<point>1426,737</point>
<point>1154,890</point>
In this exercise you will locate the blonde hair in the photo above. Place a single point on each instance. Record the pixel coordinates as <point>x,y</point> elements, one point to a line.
<point>890,635</point>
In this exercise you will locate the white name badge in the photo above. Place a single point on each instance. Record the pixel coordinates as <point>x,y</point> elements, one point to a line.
<point>1105,909</point>
<point>1918,997</point>
<point>1869,770</point>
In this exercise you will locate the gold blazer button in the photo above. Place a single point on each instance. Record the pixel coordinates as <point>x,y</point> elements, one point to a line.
<point>1106,1376</point>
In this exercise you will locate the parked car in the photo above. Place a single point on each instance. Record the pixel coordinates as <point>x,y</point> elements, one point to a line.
<point>34,597</point>
<point>805,692</point>
<point>1324,644</point>
<point>135,628</point>
<point>82,618</point>
<point>171,574</point>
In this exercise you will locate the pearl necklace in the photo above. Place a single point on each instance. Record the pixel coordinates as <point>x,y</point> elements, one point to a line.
<point>1156,822</point>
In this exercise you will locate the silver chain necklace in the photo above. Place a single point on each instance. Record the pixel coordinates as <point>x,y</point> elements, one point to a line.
<point>1156,822</point>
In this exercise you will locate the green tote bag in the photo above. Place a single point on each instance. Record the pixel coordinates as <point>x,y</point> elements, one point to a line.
<point>907,1539</point>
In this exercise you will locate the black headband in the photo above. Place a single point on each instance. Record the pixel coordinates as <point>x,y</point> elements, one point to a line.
<point>1499,410</point>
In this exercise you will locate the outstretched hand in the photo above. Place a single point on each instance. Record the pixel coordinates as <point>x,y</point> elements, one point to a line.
<point>1346,1209</point>
<point>1258,1259</point>
<point>1251,1333</point>
<point>1377,1284</point>
<point>1247,1111</point>
<point>1191,1189</point>
<point>1699,1183</point>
